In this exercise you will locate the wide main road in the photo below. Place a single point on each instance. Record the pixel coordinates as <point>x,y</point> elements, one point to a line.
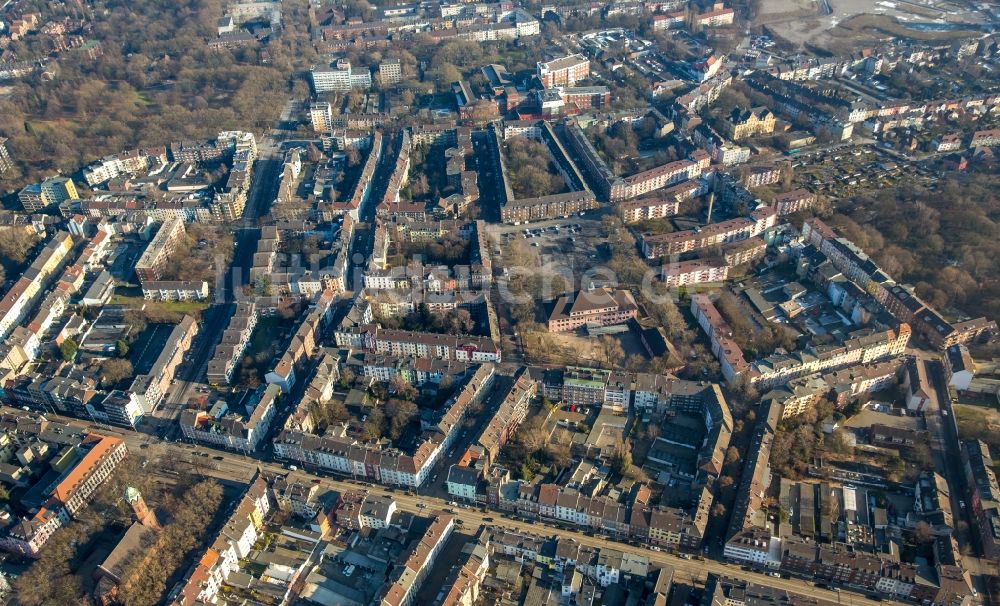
<point>233,467</point>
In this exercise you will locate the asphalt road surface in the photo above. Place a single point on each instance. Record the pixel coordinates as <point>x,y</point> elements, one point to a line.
<point>232,467</point>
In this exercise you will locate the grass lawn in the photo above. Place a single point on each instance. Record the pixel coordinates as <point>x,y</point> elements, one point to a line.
<point>267,334</point>
<point>182,307</point>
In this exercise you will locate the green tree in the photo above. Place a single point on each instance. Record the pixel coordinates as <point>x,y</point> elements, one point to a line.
<point>114,370</point>
<point>68,349</point>
<point>621,460</point>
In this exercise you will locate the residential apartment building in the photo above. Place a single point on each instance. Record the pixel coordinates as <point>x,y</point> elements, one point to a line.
<point>390,72</point>
<point>597,306</point>
<point>150,266</point>
<point>90,460</point>
<point>508,417</point>
<point>526,210</point>
<point>128,162</point>
<point>175,290</point>
<point>901,302</point>
<point>234,542</point>
<point>361,510</point>
<point>6,160</point>
<point>340,453</point>
<point>733,230</point>
<point>673,20</point>
<point>985,138</point>
<point>654,179</point>
<point>234,430</point>
<point>634,211</point>
<point>794,201</point>
<point>408,576</point>
<point>717,17</point>
<point>339,76</point>
<point>28,289</point>
<point>687,273</point>
<point>302,345</point>
<point>947,142</point>
<point>744,251</point>
<point>745,123</point>
<point>564,71</point>
<point>462,586</point>
<point>861,347</point>
<point>50,192</point>
<point>729,354</point>
<point>321,116</point>
<point>431,345</point>
<point>148,389</point>
<point>229,351</point>
<point>761,175</point>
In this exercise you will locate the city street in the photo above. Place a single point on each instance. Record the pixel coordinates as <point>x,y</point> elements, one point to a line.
<point>215,319</point>
<point>232,467</point>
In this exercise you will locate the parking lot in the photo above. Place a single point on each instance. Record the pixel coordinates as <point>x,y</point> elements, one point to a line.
<point>576,243</point>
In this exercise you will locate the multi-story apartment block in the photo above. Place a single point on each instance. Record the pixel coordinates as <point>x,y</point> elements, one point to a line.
<point>744,251</point>
<point>761,175</point>
<point>56,190</point>
<point>717,17</point>
<point>50,192</point>
<point>128,162</point>
<point>408,576</point>
<point>390,72</point>
<point>746,123</point>
<point>862,347</point>
<point>653,179</point>
<point>148,389</point>
<point>150,266</point>
<point>658,206</point>
<point>508,417</point>
<point>947,142</point>
<point>985,138</point>
<point>175,290</point>
<point>897,300</point>
<point>28,289</point>
<point>645,209</point>
<point>685,273</point>
<point>235,339</point>
<point>302,345</point>
<point>91,459</point>
<point>462,586</point>
<point>6,160</point>
<point>337,451</point>
<point>526,210</point>
<point>564,71</point>
<point>220,427</point>
<point>733,230</point>
<point>430,345</point>
<point>794,201</point>
<point>339,76</point>
<point>234,542</point>
<point>599,306</point>
<point>586,97</point>
<point>672,20</point>
<point>729,354</point>
<point>321,116</point>
<point>360,510</point>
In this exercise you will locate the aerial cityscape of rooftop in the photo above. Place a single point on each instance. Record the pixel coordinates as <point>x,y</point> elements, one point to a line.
<point>459,303</point>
